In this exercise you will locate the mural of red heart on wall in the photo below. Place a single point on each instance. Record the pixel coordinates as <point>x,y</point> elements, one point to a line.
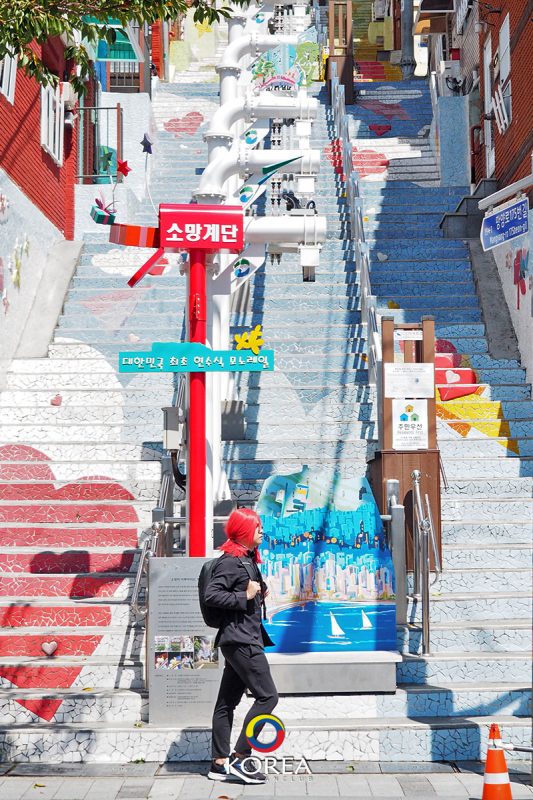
<point>187,125</point>
<point>26,477</point>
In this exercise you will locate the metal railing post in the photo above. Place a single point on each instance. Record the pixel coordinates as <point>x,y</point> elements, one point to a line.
<point>397,543</point>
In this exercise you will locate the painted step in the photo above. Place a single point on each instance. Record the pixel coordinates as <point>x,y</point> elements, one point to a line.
<point>63,612</point>
<point>478,606</point>
<point>485,533</point>
<point>81,641</point>
<point>514,428</point>
<point>130,706</point>
<point>74,471</point>
<point>62,673</point>
<point>487,509</point>
<point>498,487</point>
<point>433,301</point>
<point>392,268</point>
<point>342,431</point>
<point>508,556</point>
<point>505,636</point>
<point>481,578</point>
<point>20,535</point>
<point>260,469</point>
<point>458,315</point>
<point>284,449</point>
<point>81,586</point>
<point>67,512</point>
<point>429,288</point>
<point>359,739</point>
<point>468,667</point>
<point>487,447</point>
<point>65,706</point>
<point>85,559</point>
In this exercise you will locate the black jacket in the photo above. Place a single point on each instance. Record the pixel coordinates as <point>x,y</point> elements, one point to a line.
<point>227,590</point>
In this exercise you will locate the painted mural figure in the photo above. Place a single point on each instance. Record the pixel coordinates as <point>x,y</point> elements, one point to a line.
<point>327,563</point>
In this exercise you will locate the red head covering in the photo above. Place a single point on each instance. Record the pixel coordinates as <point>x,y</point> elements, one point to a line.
<point>240,530</point>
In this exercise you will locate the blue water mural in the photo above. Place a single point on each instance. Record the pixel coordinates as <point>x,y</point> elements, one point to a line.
<point>327,563</point>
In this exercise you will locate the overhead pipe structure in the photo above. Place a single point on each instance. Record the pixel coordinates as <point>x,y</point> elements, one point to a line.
<point>241,159</point>
<point>229,69</point>
<point>227,159</point>
<point>265,105</point>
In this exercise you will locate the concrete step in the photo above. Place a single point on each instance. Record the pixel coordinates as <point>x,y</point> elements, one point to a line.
<point>480,578</point>
<point>102,672</point>
<point>101,705</point>
<point>504,556</point>
<point>507,635</point>
<point>468,667</point>
<point>128,641</point>
<point>361,739</point>
<point>81,512</point>
<point>53,612</point>
<point>66,706</point>
<point>485,487</point>
<point>474,606</point>
<point>487,509</point>
<point>488,533</point>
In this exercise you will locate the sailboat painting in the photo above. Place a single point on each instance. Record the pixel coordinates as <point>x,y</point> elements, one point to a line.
<point>366,621</point>
<point>336,629</point>
<point>327,564</point>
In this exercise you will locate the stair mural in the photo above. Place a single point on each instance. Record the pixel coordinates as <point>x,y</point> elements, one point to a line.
<point>79,469</point>
<point>371,59</point>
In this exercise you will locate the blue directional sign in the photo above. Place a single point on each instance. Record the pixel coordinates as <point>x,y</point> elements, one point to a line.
<point>194,357</point>
<point>504,224</point>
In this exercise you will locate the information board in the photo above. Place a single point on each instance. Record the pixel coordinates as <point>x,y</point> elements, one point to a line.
<point>183,666</point>
<point>410,424</point>
<point>409,380</point>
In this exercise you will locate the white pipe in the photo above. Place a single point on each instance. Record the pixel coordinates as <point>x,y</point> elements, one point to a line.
<point>305,229</point>
<point>264,106</point>
<point>249,43</point>
<point>229,68</point>
<point>242,158</point>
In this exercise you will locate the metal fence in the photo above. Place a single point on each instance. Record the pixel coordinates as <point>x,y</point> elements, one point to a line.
<point>100,137</point>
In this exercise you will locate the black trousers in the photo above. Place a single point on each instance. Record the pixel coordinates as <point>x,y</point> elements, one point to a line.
<point>246,667</point>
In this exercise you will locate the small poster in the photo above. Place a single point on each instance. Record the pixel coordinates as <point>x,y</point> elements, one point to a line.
<point>409,380</point>
<point>409,424</point>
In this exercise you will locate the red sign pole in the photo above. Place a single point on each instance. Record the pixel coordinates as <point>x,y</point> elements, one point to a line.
<point>197,407</point>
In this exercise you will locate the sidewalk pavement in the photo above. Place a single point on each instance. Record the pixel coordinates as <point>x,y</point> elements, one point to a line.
<point>186,781</point>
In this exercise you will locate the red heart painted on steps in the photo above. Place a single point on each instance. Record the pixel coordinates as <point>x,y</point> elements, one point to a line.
<point>379,130</point>
<point>387,110</point>
<point>187,125</point>
<point>366,162</point>
<point>93,500</point>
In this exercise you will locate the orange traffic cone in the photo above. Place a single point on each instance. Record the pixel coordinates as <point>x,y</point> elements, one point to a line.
<point>496,784</point>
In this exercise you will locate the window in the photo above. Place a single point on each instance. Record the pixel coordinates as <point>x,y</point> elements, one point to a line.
<point>502,104</point>
<point>505,50</point>
<point>8,75</point>
<point>52,122</point>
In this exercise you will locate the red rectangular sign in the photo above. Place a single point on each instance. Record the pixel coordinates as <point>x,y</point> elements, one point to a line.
<point>194,227</point>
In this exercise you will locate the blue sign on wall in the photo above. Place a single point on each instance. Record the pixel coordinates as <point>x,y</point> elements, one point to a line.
<point>505,224</point>
<point>194,357</point>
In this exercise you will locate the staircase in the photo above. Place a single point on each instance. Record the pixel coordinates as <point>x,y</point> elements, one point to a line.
<point>371,60</point>
<point>80,473</point>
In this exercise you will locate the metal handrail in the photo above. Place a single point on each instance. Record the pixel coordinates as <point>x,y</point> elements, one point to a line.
<point>423,538</point>
<point>160,539</point>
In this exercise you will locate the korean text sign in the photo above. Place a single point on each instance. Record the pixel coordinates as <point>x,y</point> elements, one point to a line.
<point>194,357</point>
<point>504,224</point>
<point>199,227</point>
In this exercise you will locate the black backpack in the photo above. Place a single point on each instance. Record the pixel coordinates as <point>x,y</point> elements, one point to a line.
<point>213,616</point>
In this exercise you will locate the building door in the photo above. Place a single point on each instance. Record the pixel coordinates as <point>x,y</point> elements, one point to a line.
<point>490,158</point>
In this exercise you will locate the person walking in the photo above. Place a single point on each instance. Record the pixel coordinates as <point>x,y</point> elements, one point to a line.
<point>237,587</point>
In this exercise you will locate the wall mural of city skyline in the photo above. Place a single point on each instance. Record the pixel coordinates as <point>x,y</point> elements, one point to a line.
<point>327,563</point>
